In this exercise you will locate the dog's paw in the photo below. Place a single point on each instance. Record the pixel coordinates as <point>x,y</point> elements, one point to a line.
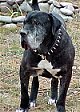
<point>60,109</point>
<point>32,104</point>
<point>22,110</point>
<point>51,101</point>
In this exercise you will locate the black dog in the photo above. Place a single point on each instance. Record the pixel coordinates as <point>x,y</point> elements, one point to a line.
<point>43,35</point>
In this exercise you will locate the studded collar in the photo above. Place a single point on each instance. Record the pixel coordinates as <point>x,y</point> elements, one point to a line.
<point>56,43</point>
<point>54,46</point>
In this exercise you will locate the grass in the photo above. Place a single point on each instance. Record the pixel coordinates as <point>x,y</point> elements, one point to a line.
<point>10,58</point>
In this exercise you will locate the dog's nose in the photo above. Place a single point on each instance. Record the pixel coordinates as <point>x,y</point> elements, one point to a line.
<point>23,32</point>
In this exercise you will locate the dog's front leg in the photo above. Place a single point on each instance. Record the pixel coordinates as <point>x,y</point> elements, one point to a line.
<point>54,91</point>
<point>24,80</point>
<point>64,84</point>
<point>34,91</point>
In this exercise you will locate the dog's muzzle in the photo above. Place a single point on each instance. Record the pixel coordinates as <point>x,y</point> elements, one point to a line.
<point>31,39</point>
<point>24,42</point>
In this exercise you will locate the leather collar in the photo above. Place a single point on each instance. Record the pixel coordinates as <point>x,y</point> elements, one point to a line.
<point>56,43</point>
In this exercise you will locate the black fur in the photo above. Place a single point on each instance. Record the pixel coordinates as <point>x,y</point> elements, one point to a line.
<point>35,5</point>
<point>62,57</point>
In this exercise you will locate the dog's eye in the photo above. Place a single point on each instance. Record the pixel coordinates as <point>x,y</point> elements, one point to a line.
<point>35,22</point>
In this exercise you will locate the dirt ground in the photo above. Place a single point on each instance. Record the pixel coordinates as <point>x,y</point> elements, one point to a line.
<point>10,58</point>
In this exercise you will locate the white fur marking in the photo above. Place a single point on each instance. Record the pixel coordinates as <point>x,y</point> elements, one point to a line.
<point>21,110</point>
<point>44,64</point>
<point>51,102</point>
<point>32,104</point>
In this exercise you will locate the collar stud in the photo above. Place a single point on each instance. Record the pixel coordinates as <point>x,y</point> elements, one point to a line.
<point>59,37</point>
<point>54,47</point>
<point>48,53</point>
<point>59,33</point>
<point>59,30</point>
<point>35,50</point>
<point>58,41</point>
<point>56,44</point>
<point>51,50</point>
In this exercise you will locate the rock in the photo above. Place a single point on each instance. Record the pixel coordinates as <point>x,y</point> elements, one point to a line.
<point>19,24</point>
<point>6,19</point>
<point>70,7</point>
<point>39,1</point>
<point>18,19</point>
<point>50,2</point>
<point>19,1</point>
<point>4,7</point>
<point>56,4</point>
<point>51,8</point>
<point>65,4</point>
<point>56,10</point>
<point>66,18</point>
<point>77,10</point>
<point>75,6</point>
<point>66,12</point>
<point>25,7</point>
<point>9,26</point>
<point>10,2</point>
<point>2,0</point>
<point>44,7</point>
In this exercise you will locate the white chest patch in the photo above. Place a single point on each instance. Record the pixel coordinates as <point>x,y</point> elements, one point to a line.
<point>44,64</point>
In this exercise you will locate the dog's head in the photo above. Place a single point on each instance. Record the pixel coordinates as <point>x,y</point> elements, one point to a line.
<point>38,27</point>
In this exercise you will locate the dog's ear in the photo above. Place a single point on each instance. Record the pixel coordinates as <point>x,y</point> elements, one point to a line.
<point>35,5</point>
<point>55,23</point>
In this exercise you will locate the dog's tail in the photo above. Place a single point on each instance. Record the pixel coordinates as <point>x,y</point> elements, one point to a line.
<point>35,5</point>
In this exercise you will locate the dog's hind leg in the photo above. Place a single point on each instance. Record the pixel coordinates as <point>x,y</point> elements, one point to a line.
<point>64,84</point>
<point>34,91</point>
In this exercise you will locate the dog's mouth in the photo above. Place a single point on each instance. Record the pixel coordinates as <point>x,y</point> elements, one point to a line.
<point>25,45</point>
<point>33,42</point>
